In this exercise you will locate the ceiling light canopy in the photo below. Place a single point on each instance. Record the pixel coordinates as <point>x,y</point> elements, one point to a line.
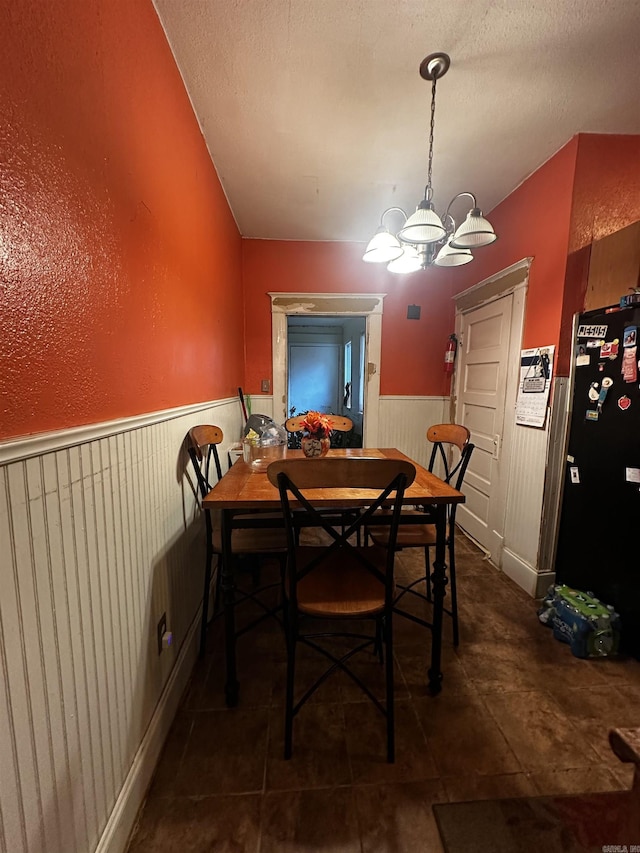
<point>425,238</point>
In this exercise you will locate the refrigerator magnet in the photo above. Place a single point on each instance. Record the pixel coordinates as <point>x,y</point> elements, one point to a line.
<point>629,336</point>
<point>609,349</point>
<point>583,359</point>
<point>575,474</point>
<point>594,392</point>
<point>592,415</point>
<point>629,367</point>
<point>607,382</point>
<point>632,475</point>
<point>624,403</point>
<point>592,331</point>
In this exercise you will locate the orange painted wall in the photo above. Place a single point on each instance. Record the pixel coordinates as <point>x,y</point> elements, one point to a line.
<point>534,221</point>
<point>120,264</point>
<point>412,350</point>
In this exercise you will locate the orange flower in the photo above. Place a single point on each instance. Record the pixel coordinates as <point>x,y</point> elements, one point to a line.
<point>316,424</point>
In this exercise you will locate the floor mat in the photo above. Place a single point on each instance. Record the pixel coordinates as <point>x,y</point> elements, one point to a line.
<point>589,822</point>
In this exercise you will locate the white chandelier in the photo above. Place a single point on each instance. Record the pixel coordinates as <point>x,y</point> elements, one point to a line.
<point>424,237</point>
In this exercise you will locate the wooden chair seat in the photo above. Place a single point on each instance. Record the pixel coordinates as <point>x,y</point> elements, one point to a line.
<point>344,588</point>
<point>409,535</point>
<point>258,541</point>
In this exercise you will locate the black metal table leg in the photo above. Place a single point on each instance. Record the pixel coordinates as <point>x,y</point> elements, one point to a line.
<point>228,597</point>
<point>439,583</point>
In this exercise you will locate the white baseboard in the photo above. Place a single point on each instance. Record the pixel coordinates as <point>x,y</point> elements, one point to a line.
<point>115,837</point>
<point>545,579</point>
<point>532,582</point>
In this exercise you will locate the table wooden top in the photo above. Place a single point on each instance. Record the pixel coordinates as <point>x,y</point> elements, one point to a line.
<point>242,488</point>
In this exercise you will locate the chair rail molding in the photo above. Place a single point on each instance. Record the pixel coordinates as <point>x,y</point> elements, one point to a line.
<point>24,447</point>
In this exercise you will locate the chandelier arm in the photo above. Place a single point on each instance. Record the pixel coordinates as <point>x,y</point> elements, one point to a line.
<point>456,197</point>
<point>449,223</point>
<point>390,210</point>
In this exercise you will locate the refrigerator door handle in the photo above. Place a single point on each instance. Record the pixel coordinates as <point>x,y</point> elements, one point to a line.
<point>496,446</point>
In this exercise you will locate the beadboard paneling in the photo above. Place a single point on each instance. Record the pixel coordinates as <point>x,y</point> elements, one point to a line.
<point>526,489</point>
<point>99,539</point>
<point>404,422</point>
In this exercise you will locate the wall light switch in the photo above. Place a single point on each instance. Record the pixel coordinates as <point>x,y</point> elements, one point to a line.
<point>265,386</point>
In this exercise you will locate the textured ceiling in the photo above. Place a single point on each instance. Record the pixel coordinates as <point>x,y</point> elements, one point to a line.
<point>317,119</point>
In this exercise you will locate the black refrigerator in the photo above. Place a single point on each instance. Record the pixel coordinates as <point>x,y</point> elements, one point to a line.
<point>598,547</point>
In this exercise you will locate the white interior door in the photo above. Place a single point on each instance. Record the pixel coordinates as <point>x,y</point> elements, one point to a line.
<point>483,360</point>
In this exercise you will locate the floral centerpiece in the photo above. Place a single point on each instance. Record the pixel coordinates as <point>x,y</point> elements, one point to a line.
<point>317,431</point>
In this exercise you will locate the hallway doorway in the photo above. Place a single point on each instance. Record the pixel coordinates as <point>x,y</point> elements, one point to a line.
<point>326,359</point>
<point>340,307</point>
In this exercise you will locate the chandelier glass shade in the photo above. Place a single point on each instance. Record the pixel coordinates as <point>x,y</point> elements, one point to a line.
<point>450,256</point>
<point>383,248</point>
<point>423,226</point>
<point>426,238</point>
<point>408,261</point>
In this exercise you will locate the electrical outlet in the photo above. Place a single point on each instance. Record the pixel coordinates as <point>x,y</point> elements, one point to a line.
<point>265,386</point>
<point>162,627</point>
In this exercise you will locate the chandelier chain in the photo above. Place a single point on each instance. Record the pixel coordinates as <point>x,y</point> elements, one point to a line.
<point>427,238</point>
<point>429,189</point>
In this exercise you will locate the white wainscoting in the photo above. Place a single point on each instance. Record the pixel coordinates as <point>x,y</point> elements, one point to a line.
<point>520,555</point>
<point>404,422</point>
<point>100,535</point>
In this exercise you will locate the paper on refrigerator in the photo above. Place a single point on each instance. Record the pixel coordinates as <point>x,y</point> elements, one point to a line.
<point>536,370</point>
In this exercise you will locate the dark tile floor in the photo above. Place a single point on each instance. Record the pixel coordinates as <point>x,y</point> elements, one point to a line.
<point>518,716</point>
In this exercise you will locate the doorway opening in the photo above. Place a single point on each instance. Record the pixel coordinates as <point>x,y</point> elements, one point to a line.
<point>326,359</point>
<point>343,306</point>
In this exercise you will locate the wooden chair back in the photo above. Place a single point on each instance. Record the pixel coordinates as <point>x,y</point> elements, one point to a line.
<point>444,437</point>
<point>341,473</point>
<point>339,423</point>
<point>202,444</point>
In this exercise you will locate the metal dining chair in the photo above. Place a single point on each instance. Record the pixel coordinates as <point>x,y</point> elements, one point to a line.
<point>202,445</point>
<point>421,532</point>
<point>340,425</point>
<point>340,585</point>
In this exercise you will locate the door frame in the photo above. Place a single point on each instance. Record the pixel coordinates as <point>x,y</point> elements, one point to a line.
<point>367,305</point>
<point>511,280</point>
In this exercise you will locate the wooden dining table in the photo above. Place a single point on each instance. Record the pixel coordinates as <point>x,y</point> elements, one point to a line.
<point>242,489</point>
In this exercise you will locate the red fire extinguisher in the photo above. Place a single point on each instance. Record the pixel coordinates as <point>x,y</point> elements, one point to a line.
<point>450,354</point>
